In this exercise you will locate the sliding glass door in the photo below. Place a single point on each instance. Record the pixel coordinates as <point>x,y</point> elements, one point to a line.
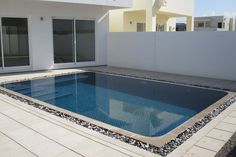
<point>63,37</point>
<point>15,42</point>
<point>74,40</point>
<point>85,40</point>
<point>0,49</point>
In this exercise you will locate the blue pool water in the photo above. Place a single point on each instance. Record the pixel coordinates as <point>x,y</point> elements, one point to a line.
<point>144,107</point>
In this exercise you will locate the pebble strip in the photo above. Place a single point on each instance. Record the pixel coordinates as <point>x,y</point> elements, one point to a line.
<point>163,151</point>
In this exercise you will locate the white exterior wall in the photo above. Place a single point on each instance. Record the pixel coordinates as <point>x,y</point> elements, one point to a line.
<point>41,32</point>
<point>132,50</point>
<point>206,54</point>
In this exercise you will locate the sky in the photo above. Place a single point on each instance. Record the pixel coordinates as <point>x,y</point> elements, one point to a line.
<point>215,7</point>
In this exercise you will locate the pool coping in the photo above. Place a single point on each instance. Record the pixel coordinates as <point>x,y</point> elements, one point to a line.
<point>136,140</point>
<point>228,147</point>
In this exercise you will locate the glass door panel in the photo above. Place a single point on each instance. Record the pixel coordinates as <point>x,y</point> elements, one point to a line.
<point>0,49</point>
<point>85,40</point>
<point>15,41</point>
<point>63,37</point>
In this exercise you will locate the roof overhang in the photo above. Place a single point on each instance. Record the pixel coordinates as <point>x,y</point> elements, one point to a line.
<point>105,3</point>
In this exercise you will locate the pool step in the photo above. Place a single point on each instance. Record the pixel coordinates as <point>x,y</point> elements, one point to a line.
<point>53,96</point>
<point>30,92</point>
<point>64,82</point>
<point>21,88</point>
<point>72,78</point>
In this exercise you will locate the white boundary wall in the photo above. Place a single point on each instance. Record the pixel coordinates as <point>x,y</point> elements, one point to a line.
<point>206,54</point>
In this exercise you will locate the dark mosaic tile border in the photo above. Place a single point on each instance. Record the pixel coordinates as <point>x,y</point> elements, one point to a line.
<point>40,77</point>
<point>227,148</point>
<point>165,81</point>
<point>163,151</point>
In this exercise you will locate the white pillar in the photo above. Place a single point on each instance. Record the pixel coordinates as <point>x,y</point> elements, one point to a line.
<point>190,24</point>
<point>151,21</point>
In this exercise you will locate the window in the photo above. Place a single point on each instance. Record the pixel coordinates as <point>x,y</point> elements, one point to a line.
<point>160,28</point>
<point>15,42</point>
<point>200,24</point>
<point>220,24</point>
<point>74,40</point>
<point>141,27</point>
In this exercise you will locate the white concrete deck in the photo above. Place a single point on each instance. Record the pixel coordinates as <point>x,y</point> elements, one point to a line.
<point>27,131</point>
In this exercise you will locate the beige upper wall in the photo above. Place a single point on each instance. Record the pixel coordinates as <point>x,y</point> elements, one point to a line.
<point>118,20</point>
<point>141,5</point>
<point>131,20</point>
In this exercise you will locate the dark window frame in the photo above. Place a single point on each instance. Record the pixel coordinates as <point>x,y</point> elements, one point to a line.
<point>200,24</point>
<point>220,25</point>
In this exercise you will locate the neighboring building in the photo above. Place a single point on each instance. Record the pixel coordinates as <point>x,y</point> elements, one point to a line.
<point>152,15</point>
<point>214,23</point>
<point>50,34</point>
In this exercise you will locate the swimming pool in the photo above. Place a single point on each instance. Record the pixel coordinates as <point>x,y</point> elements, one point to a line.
<point>148,108</point>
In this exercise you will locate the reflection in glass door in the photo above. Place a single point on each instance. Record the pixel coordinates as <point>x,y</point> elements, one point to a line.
<point>15,42</point>
<point>63,37</point>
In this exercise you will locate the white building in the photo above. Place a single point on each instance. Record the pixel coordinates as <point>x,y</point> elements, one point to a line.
<point>50,34</point>
<point>214,23</point>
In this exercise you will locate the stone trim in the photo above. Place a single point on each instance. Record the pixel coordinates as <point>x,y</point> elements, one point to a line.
<point>228,147</point>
